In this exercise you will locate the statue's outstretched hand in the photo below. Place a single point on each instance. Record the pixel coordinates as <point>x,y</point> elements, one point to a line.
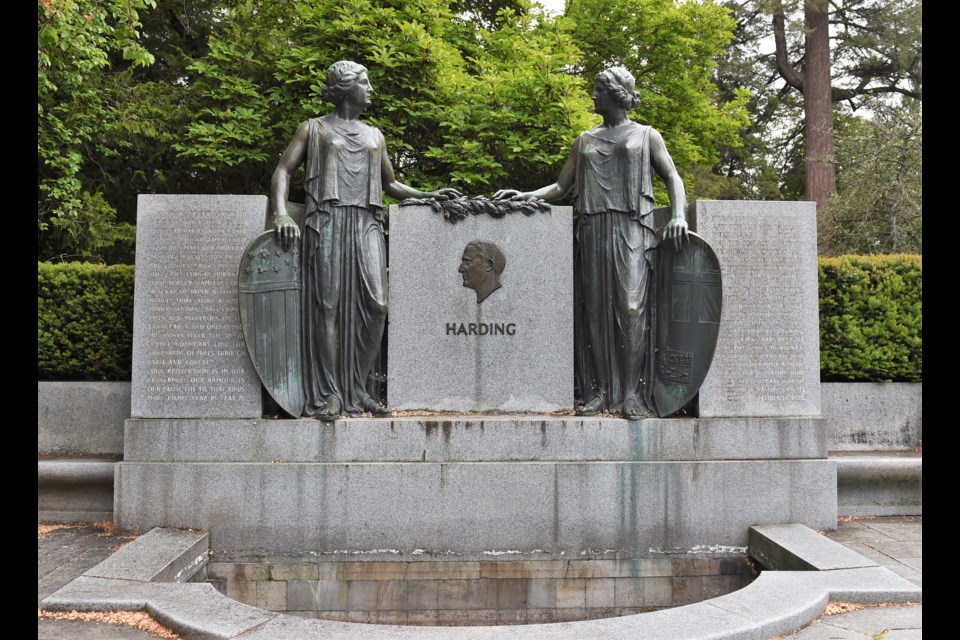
<point>507,194</point>
<point>677,231</point>
<point>448,194</point>
<point>287,230</point>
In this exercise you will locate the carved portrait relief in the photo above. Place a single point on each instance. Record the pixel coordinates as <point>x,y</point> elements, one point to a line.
<point>481,266</point>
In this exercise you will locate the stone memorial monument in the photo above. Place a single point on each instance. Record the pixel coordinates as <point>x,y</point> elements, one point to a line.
<point>512,310</point>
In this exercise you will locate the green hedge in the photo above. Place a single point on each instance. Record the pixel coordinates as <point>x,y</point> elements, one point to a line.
<point>85,323</point>
<point>871,318</point>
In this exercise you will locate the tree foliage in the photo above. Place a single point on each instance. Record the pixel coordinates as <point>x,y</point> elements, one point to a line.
<point>201,96</point>
<point>78,42</point>
<point>672,48</point>
<point>879,204</point>
<point>852,50</point>
<point>871,318</point>
<point>459,103</point>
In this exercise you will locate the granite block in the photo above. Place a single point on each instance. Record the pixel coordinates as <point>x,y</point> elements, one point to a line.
<point>392,595</point>
<point>600,592</point>
<point>74,490</point>
<point>475,509</point>
<point>272,595</point>
<point>542,593</point>
<point>422,594</point>
<point>239,571</point>
<point>467,594</point>
<point>873,416</point>
<point>511,593</point>
<point>628,592</point>
<point>82,418</point>
<point>571,593</point>
<point>362,594</point>
<point>474,439</point>
<point>794,547</point>
<point>658,592</point>
<point>161,555</point>
<point>686,590</point>
<point>294,571</point>
<point>767,361</point>
<point>189,357</point>
<point>513,351</point>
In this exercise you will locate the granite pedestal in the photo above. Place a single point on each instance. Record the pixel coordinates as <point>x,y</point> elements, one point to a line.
<point>472,488</point>
<point>466,486</point>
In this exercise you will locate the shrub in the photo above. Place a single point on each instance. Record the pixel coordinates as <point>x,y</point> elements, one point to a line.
<point>85,321</point>
<point>871,318</point>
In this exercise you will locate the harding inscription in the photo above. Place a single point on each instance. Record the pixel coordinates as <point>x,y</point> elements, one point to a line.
<point>481,328</point>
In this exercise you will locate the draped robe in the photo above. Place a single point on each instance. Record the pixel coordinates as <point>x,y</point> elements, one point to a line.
<point>613,265</point>
<point>344,264</point>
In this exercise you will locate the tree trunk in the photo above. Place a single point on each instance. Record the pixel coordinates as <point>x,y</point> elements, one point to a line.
<point>818,111</point>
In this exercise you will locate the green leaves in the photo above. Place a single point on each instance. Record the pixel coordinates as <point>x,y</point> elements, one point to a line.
<point>77,114</point>
<point>672,49</point>
<point>871,318</point>
<point>879,204</point>
<point>85,321</point>
<point>459,104</point>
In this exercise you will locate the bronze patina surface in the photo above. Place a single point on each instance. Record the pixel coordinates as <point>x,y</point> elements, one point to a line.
<point>269,287</point>
<point>689,302</point>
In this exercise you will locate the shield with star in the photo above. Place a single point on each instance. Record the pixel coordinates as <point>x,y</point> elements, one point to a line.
<point>269,291</point>
<point>687,320</point>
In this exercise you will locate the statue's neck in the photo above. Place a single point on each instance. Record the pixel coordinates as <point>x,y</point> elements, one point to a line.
<point>615,118</point>
<point>348,111</point>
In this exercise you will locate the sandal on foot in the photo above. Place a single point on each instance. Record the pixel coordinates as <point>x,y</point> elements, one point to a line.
<point>331,412</point>
<point>633,409</point>
<point>591,408</point>
<point>375,408</point>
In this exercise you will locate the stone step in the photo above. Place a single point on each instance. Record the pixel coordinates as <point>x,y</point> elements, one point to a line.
<point>885,483</point>
<point>477,438</point>
<point>74,489</point>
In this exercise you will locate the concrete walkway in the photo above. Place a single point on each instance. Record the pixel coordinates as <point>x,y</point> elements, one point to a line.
<point>63,555</point>
<point>895,543</point>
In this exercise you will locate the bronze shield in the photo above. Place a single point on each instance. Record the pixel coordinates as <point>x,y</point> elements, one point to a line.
<point>689,301</point>
<point>269,289</point>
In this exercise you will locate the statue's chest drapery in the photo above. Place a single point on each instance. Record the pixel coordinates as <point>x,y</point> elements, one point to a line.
<point>343,166</point>
<point>613,171</point>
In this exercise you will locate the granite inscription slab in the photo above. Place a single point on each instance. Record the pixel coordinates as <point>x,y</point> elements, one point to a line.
<point>767,361</point>
<point>189,358</point>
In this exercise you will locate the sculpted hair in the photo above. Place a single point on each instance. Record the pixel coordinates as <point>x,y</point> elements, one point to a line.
<point>621,85</point>
<point>491,252</point>
<point>340,78</point>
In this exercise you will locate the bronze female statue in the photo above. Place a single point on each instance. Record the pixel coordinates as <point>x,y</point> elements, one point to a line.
<point>347,170</point>
<point>610,171</point>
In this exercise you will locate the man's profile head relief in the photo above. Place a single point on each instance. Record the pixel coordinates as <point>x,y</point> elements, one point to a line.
<point>481,265</point>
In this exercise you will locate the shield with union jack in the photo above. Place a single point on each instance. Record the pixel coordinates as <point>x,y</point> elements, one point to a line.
<point>688,305</point>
